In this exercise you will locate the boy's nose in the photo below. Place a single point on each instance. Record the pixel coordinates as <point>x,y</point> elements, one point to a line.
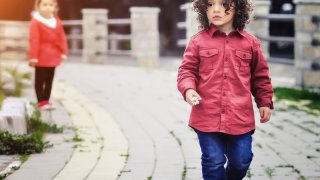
<point>216,7</point>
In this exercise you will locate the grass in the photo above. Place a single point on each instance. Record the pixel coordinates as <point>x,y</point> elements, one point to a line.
<point>28,143</point>
<point>2,97</point>
<point>294,169</point>
<point>76,138</point>
<point>259,145</point>
<point>24,157</point>
<point>305,99</point>
<point>249,175</point>
<point>269,171</point>
<point>184,172</point>
<point>35,124</point>
<point>177,139</point>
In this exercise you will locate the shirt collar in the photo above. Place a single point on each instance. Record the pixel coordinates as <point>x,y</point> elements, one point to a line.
<point>213,30</point>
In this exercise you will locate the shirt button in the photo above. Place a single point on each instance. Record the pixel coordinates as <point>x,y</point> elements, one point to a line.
<point>223,111</point>
<point>227,59</point>
<point>227,41</point>
<point>225,77</point>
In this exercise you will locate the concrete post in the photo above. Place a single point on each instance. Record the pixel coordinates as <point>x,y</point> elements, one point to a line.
<point>145,35</point>
<point>307,32</point>
<point>260,27</point>
<point>95,33</point>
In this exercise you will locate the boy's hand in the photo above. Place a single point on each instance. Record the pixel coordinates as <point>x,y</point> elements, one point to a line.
<point>265,114</point>
<point>192,97</point>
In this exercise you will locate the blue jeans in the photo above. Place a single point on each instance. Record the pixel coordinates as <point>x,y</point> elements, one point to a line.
<point>218,148</point>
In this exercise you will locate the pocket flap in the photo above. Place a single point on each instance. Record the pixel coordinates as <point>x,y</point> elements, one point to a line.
<point>243,55</point>
<point>208,52</point>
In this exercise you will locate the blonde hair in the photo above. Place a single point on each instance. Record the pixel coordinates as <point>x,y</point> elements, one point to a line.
<point>37,2</point>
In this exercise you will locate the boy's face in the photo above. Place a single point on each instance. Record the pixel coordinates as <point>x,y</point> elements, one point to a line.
<point>217,15</point>
<point>47,8</point>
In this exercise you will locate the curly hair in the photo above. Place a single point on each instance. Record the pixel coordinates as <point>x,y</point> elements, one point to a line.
<point>243,8</point>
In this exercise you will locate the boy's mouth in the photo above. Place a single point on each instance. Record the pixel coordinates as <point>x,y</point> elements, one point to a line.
<point>216,17</point>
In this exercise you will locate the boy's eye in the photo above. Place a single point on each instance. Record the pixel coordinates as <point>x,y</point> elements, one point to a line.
<point>210,4</point>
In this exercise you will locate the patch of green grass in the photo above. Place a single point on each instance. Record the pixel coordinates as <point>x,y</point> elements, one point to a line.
<point>259,145</point>
<point>298,95</point>
<point>184,172</point>
<point>269,171</point>
<point>249,175</point>
<point>311,157</point>
<point>76,138</point>
<point>2,97</point>
<point>28,143</point>
<point>282,109</point>
<point>176,137</point>
<point>21,144</point>
<point>35,124</point>
<point>285,166</point>
<point>126,156</point>
<point>24,157</point>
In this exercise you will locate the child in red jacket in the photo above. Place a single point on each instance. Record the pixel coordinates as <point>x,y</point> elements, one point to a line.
<point>47,48</point>
<point>223,66</point>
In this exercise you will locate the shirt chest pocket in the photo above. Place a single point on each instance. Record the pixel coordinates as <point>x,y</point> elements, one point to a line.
<point>207,58</point>
<point>243,58</point>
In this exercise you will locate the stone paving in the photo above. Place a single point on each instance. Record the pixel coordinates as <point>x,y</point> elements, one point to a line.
<point>153,117</point>
<point>143,120</point>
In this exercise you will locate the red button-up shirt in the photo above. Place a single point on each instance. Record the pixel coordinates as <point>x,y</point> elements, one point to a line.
<point>225,70</point>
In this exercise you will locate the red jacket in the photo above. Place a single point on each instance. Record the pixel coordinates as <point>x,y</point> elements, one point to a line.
<point>47,44</point>
<point>225,71</point>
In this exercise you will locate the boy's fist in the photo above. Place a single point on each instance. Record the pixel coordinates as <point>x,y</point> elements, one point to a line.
<point>192,97</point>
<point>265,114</point>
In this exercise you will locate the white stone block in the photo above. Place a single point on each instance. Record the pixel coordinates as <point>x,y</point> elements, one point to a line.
<point>13,116</point>
<point>13,123</point>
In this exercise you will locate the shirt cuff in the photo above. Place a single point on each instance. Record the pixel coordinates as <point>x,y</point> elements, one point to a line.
<point>265,103</point>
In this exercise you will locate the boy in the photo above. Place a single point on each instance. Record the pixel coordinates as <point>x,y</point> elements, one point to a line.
<point>222,66</point>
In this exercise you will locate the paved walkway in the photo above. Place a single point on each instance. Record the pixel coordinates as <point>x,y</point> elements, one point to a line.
<point>141,114</point>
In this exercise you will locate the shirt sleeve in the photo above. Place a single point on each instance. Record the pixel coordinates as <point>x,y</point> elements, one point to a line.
<point>34,40</point>
<point>188,70</point>
<point>261,86</point>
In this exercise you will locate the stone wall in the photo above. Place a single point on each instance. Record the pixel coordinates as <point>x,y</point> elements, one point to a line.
<point>307,53</point>
<point>14,40</point>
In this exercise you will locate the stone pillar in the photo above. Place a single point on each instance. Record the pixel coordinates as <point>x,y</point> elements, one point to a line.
<point>192,24</point>
<point>306,52</point>
<point>260,27</point>
<point>145,35</point>
<point>95,34</point>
